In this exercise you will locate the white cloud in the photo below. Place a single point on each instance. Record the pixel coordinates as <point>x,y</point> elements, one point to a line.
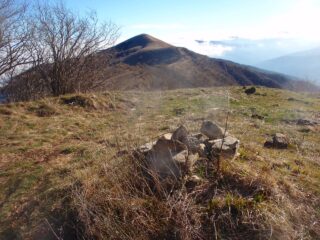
<point>209,49</point>
<point>205,48</point>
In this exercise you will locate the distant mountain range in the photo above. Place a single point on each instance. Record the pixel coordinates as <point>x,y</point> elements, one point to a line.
<point>149,63</point>
<point>304,65</point>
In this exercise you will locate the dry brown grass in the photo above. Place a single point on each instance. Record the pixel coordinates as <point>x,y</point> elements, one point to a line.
<point>122,203</point>
<point>72,170</point>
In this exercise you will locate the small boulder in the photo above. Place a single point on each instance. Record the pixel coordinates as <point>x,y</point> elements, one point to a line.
<point>180,134</point>
<point>257,116</point>
<point>228,146</point>
<point>211,130</point>
<point>278,140</point>
<point>250,91</point>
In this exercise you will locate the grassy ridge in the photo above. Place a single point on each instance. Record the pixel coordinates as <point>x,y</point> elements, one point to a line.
<point>61,158</point>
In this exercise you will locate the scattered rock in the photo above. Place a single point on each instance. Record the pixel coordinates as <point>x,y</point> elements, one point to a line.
<point>292,99</point>
<point>179,111</point>
<point>228,146</point>
<point>250,91</point>
<point>278,140</point>
<point>211,130</point>
<point>301,122</point>
<point>306,122</point>
<point>257,116</point>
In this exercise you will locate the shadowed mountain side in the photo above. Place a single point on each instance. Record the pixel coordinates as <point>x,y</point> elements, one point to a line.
<point>154,64</point>
<point>146,63</point>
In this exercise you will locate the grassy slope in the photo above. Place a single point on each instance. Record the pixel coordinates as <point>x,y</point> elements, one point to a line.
<point>48,148</point>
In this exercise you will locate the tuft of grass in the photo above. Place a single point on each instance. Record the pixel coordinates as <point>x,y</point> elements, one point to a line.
<point>43,110</point>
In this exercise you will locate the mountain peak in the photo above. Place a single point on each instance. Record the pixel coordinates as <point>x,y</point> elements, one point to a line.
<point>142,41</point>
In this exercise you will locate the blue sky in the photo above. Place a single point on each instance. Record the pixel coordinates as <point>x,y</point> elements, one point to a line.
<point>227,28</point>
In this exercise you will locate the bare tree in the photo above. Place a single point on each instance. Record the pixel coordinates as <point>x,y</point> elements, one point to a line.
<point>13,37</point>
<point>65,48</point>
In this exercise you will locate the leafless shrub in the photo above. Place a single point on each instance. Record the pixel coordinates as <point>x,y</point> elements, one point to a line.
<point>14,35</point>
<point>65,46</point>
<point>63,53</point>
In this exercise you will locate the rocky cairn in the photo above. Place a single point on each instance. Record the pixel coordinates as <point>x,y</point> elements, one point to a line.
<point>175,154</point>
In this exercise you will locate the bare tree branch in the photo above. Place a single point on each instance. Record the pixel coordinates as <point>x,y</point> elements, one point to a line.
<point>64,46</point>
<point>14,36</point>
